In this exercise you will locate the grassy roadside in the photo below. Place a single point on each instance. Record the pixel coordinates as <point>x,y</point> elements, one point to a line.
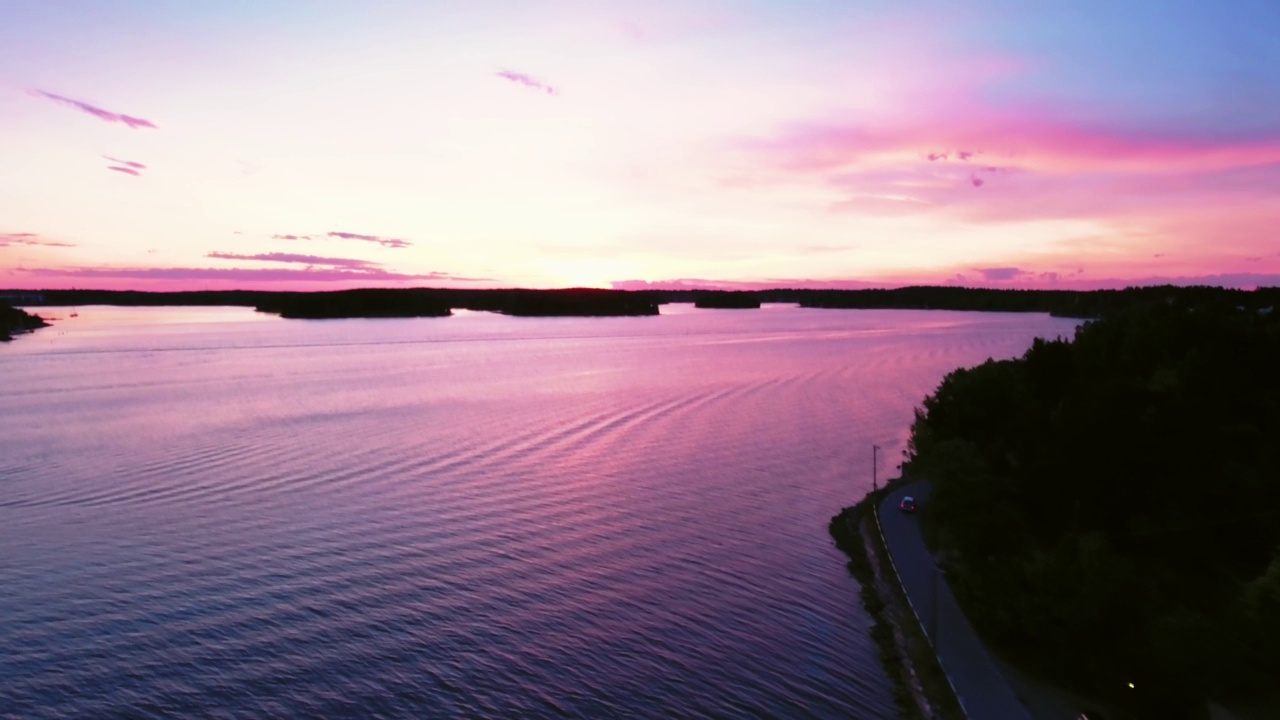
<point>921,688</point>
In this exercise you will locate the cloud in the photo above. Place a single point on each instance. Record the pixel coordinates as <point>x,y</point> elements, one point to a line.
<point>960,155</point>
<point>29,239</point>
<point>126,163</point>
<point>383,241</point>
<point>995,274</point>
<point>527,81</point>
<point>247,275</point>
<point>1074,281</point>
<point>1027,140</point>
<point>771,284</point>
<point>1029,170</point>
<point>105,115</point>
<point>1008,277</point>
<point>129,167</point>
<point>352,263</point>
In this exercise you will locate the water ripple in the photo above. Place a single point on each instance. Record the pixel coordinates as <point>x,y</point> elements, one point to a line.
<point>507,518</point>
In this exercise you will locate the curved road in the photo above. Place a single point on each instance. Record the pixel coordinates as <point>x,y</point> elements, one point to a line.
<point>982,688</point>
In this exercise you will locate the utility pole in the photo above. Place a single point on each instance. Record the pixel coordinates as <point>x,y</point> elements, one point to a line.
<point>874,449</point>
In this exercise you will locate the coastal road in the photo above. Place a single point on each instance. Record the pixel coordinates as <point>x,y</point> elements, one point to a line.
<point>983,689</point>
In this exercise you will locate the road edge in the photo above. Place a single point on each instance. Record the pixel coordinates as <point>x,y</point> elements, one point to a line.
<point>921,689</point>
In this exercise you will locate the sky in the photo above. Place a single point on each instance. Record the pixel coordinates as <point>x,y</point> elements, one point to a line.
<point>322,145</point>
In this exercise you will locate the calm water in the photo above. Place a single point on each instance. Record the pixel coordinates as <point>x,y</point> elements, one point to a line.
<point>210,512</point>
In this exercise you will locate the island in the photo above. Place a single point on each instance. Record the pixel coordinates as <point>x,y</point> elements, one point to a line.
<point>727,300</point>
<point>14,321</point>
<point>369,303</point>
<point>1107,509</point>
<point>581,302</point>
<point>380,302</point>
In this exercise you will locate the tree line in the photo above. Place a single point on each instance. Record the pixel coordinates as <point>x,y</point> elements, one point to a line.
<point>14,321</point>
<point>590,301</point>
<point>1108,507</point>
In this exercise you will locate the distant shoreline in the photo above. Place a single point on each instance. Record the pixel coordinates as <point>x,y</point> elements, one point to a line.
<point>590,302</point>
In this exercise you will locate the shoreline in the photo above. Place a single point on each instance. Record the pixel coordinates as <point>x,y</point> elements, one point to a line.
<point>414,301</point>
<point>15,321</point>
<point>920,686</point>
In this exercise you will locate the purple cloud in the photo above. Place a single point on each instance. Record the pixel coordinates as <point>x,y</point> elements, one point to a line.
<point>527,81</point>
<point>799,284</point>
<point>30,239</point>
<point>247,274</point>
<point>126,163</point>
<point>383,241</point>
<point>960,155</point>
<point>106,115</point>
<point>976,181</point>
<point>1243,281</point>
<point>128,170</point>
<point>999,273</point>
<point>293,237</point>
<point>332,262</point>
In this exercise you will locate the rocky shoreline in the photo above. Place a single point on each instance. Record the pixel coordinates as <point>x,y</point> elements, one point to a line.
<point>920,686</point>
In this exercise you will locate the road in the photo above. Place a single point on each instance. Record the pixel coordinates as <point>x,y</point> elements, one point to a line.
<point>982,688</point>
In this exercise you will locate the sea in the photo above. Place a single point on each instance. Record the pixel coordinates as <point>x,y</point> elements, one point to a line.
<point>212,512</point>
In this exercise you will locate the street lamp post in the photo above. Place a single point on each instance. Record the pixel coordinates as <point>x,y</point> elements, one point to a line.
<point>874,449</point>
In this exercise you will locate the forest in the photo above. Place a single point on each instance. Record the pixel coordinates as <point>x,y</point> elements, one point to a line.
<point>14,321</point>
<point>370,302</point>
<point>1107,508</point>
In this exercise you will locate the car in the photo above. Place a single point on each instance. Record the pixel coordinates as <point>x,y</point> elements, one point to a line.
<point>908,504</point>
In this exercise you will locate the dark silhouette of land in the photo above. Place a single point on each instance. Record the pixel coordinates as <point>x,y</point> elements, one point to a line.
<point>14,321</point>
<point>1062,303</point>
<point>552,303</point>
<point>413,302</point>
<point>723,299</point>
<point>1108,509</point>
<point>371,303</point>
<point>407,302</point>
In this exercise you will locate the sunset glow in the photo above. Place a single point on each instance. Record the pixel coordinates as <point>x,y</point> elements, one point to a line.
<point>156,146</point>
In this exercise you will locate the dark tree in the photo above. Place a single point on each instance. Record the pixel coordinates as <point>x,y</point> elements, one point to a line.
<point>1110,507</point>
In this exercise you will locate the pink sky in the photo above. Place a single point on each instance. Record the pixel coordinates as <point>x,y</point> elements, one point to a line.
<point>566,144</point>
